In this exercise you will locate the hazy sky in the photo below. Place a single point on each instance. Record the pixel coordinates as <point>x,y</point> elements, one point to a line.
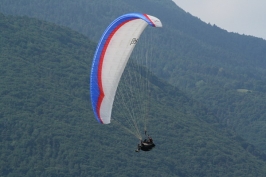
<point>241,16</point>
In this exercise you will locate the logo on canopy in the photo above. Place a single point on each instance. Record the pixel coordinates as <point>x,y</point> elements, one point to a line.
<point>134,41</point>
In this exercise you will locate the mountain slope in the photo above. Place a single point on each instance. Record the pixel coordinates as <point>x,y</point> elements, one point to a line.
<point>225,71</point>
<point>48,129</point>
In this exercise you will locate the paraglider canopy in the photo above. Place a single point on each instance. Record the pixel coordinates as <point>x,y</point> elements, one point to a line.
<point>110,59</point>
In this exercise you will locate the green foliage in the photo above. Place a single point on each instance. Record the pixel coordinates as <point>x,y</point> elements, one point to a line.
<point>204,61</point>
<point>47,127</point>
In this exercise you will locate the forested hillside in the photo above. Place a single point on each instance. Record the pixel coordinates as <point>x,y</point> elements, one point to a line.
<point>225,71</point>
<point>48,129</point>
